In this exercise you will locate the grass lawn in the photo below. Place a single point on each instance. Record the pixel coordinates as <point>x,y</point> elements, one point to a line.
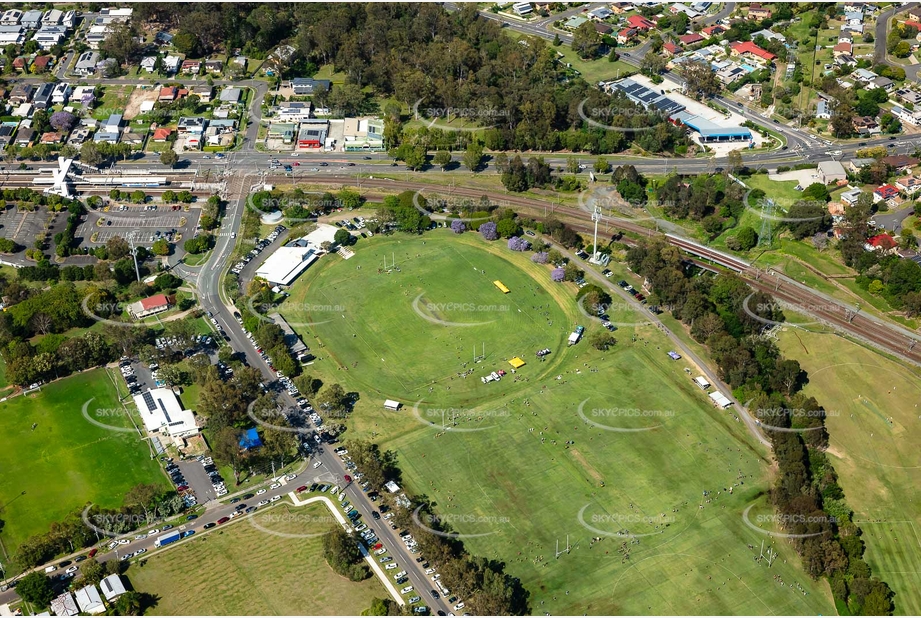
<point>528,489</point>
<point>386,342</point>
<point>242,570</point>
<point>114,101</point>
<point>66,461</point>
<point>875,427</point>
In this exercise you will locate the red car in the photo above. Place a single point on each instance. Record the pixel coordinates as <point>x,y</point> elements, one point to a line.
<point>348,479</point>
<point>93,552</point>
<point>301,488</point>
<point>182,488</point>
<point>296,164</point>
<point>223,520</point>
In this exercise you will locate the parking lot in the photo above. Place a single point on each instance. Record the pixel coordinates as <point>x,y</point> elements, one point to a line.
<point>145,227</point>
<point>198,480</point>
<point>22,227</point>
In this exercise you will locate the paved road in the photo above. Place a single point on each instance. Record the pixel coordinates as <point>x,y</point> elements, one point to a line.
<point>882,31</point>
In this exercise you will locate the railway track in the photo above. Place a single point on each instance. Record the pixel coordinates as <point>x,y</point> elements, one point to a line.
<point>889,338</point>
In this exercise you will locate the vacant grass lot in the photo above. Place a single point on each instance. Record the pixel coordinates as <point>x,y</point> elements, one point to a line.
<point>875,427</point>
<point>600,444</point>
<point>243,570</point>
<point>65,462</point>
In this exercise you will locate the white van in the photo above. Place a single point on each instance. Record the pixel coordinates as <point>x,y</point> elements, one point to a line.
<point>50,568</point>
<point>318,464</point>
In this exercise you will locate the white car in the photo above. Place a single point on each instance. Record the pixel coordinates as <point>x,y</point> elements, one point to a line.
<point>72,569</point>
<point>382,550</point>
<point>262,503</point>
<point>140,551</point>
<point>392,565</point>
<point>275,499</point>
<point>459,606</point>
<point>291,477</point>
<point>261,491</point>
<point>140,537</point>
<point>409,589</point>
<point>274,485</point>
<point>152,532</point>
<point>123,541</point>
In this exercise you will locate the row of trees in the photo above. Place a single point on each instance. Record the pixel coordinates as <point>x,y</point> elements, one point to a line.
<point>719,313</point>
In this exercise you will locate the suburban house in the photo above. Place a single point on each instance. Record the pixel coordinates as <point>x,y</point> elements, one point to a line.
<point>603,28</point>
<point>747,49</point>
<point>691,39</point>
<point>902,163</point>
<point>191,124</point>
<point>850,197</point>
<point>626,35</point>
<point>307,86</point>
<point>96,35</point>
<point>86,63</point>
<point>21,93</point>
<point>865,125</point>
<point>882,82</point>
<point>908,116</point>
<point>191,66</point>
<point>842,48</point>
<point>12,35</point>
<point>204,92</point>
<point>711,31</point>
<point>885,192</point>
<point>671,49</point>
<point>600,14</point>
<point>769,35</point>
<point>157,303</point>
<point>149,64</point>
<point>756,11</point>
<point>214,66</point>
<point>230,94</point>
<point>89,600</point>
<point>24,136</point>
<point>111,14</point>
<point>363,134</point>
<point>162,134</point>
<point>522,8</point>
<point>908,96</point>
<point>168,93</point>
<point>863,75</point>
<point>909,185</point>
<point>171,64</point>
<point>41,64</point>
<point>640,23</point>
<point>822,110</point>
<point>12,17</point>
<point>42,98</point>
<point>112,587</point>
<point>31,19</point>
<point>49,36</point>
<point>61,93</point>
<point>64,605</point>
<point>884,243</point>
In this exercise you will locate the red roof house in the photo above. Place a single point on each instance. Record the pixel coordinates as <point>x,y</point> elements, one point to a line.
<point>690,39</point>
<point>713,30</point>
<point>749,48</point>
<point>640,23</point>
<point>885,192</point>
<point>882,242</point>
<point>671,49</point>
<point>162,134</point>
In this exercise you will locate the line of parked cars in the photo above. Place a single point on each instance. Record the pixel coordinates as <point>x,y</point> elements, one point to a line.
<point>182,486</point>
<point>260,245</point>
<point>216,480</point>
<point>131,380</point>
<point>630,290</point>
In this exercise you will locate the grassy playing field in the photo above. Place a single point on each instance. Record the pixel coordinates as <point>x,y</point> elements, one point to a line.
<point>66,461</point>
<point>875,426</point>
<point>534,461</point>
<point>245,570</point>
<point>407,335</point>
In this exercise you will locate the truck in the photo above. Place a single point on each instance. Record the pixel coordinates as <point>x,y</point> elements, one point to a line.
<point>166,539</point>
<point>576,335</point>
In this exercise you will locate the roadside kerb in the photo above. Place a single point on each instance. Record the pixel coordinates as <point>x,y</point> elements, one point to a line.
<point>364,552</point>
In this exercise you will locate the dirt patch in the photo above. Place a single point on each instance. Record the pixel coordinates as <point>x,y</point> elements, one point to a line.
<point>138,96</point>
<point>580,459</point>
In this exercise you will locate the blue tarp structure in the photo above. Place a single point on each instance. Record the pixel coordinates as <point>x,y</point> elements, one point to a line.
<point>250,439</point>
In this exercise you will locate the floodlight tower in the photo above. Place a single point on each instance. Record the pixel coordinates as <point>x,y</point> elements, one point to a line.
<point>596,217</point>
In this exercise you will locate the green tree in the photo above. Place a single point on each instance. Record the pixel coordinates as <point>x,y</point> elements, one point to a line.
<point>586,41</point>
<point>342,238</point>
<point>187,43</point>
<point>169,157</point>
<point>442,159</point>
<point>473,156</point>
<point>35,588</point>
<point>90,154</point>
<point>160,247</point>
<point>747,237</point>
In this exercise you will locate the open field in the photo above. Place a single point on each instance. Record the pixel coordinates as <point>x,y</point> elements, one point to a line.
<point>66,461</point>
<point>875,426</point>
<point>439,307</point>
<point>605,442</point>
<point>246,570</point>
